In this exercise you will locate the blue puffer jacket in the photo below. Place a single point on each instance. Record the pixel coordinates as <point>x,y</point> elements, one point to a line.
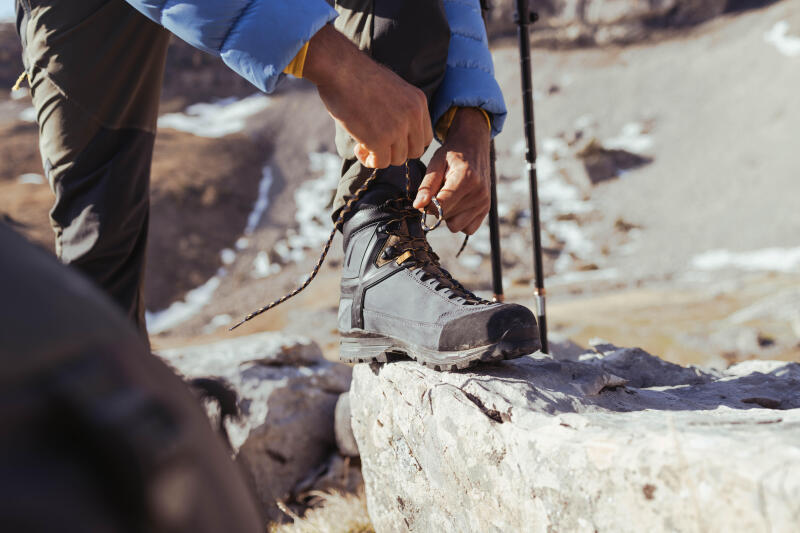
<point>258,38</point>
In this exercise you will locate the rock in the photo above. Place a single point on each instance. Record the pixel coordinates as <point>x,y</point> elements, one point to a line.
<point>287,395</point>
<point>538,444</point>
<point>603,164</point>
<point>644,370</point>
<point>586,22</point>
<point>345,439</point>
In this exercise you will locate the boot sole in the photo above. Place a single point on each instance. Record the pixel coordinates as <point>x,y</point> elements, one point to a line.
<point>364,347</point>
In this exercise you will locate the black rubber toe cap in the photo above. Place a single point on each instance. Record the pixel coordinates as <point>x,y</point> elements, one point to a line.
<point>507,322</point>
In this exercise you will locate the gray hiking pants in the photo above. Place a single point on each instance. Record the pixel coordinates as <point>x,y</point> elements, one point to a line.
<point>96,68</point>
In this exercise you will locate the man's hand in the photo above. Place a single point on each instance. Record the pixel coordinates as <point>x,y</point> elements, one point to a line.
<point>387,116</point>
<point>458,174</point>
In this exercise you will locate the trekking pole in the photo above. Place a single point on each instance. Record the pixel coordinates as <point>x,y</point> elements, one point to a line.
<point>494,231</point>
<point>524,17</point>
<point>494,221</point>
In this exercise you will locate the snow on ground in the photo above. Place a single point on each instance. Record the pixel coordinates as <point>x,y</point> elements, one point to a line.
<point>28,115</point>
<point>633,138</point>
<point>217,322</point>
<point>181,311</point>
<point>564,189</point>
<point>311,200</point>
<point>216,119</point>
<point>31,178</point>
<point>557,198</point>
<point>767,259</point>
<point>778,36</point>
<point>583,276</point>
<point>196,299</point>
<point>262,201</point>
<point>7,11</point>
<point>262,267</point>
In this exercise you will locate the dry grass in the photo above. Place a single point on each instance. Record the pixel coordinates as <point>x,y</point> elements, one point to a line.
<point>333,512</point>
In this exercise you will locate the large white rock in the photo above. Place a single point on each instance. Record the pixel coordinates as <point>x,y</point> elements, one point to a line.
<point>539,444</point>
<point>287,396</point>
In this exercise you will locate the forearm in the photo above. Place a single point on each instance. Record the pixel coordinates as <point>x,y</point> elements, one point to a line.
<point>331,57</point>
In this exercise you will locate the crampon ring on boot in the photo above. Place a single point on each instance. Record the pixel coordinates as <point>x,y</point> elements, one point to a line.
<point>439,216</point>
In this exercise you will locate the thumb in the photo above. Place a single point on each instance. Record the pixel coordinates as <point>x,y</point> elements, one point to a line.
<point>432,182</point>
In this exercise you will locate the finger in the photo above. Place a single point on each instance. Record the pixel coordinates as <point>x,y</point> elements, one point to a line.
<point>379,158</point>
<point>416,145</point>
<point>432,182</point>
<point>453,198</point>
<point>425,133</point>
<point>361,152</point>
<point>427,130</point>
<point>400,151</point>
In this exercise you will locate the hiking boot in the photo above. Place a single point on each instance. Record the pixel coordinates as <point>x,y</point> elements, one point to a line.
<point>396,299</point>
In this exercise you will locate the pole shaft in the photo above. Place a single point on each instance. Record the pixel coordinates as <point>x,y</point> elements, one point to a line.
<point>494,220</point>
<point>523,19</point>
<point>494,231</point>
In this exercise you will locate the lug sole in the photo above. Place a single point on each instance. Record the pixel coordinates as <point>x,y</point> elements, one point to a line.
<point>365,347</point>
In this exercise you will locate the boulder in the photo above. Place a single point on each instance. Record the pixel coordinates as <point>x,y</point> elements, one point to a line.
<point>287,395</point>
<point>345,439</point>
<point>613,440</point>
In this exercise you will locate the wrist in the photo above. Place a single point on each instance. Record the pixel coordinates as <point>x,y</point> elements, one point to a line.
<point>470,122</point>
<point>329,55</point>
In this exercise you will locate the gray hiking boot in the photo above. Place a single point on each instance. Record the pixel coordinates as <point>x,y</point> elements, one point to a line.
<point>397,300</point>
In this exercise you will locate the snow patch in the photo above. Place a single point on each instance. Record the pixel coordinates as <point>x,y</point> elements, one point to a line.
<point>767,259</point>
<point>196,299</point>
<point>311,200</point>
<point>216,119</point>
<point>181,311</point>
<point>633,138</point>
<point>20,93</point>
<point>227,256</point>
<point>31,178</point>
<point>28,114</point>
<point>778,36</point>
<point>558,197</point>
<point>583,276</point>
<point>217,322</point>
<point>262,267</point>
<point>262,201</point>
<point>7,11</point>
<point>471,261</point>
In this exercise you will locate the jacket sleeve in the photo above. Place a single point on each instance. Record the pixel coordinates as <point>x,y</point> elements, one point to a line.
<point>255,38</point>
<point>469,78</point>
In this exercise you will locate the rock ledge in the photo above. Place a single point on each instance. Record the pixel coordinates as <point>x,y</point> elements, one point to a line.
<point>613,440</point>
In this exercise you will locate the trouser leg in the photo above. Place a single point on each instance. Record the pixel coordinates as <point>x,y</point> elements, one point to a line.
<point>95,69</point>
<point>411,38</point>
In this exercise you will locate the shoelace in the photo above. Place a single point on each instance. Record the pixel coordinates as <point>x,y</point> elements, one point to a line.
<point>337,226</point>
<point>417,253</point>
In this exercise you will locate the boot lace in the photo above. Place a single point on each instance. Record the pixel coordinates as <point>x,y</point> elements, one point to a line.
<point>415,252</point>
<point>425,262</point>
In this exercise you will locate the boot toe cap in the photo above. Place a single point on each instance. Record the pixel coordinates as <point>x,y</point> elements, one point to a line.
<point>505,322</point>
